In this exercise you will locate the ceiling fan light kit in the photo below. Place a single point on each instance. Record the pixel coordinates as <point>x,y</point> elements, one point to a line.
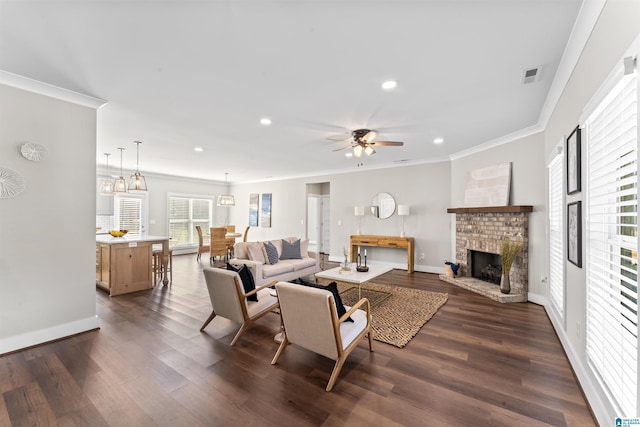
<point>364,140</point>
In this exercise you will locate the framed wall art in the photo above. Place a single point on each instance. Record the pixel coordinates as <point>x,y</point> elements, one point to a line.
<point>573,162</point>
<point>253,209</point>
<point>574,233</point>
<point>265,210</point>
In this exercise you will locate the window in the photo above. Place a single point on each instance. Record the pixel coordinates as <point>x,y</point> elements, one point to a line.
<point>612,244</point>
<point>184,214</point>
<point>556,235</point>
<point>130,213</point>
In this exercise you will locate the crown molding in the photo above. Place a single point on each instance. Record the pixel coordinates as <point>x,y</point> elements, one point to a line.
<point>519,134</point>
<point>582,28</point>
<point>46,89</point>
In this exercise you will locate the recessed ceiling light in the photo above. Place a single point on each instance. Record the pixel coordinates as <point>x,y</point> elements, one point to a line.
<point>438,140</point>
<point>349,154</point>
<point>389,84</point>
<point>198,149</point>
<point>265,121</point>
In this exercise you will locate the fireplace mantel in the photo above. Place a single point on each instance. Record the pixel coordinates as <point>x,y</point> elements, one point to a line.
<point>493,209</point>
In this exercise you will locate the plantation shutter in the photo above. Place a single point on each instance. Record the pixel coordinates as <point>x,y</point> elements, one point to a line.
<point>556,234</point>
<point>184,214</point>
<point>130,214</point>
<point>612,244</point>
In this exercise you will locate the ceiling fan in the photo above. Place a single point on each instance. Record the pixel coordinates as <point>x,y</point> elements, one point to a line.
<point>363,142</point>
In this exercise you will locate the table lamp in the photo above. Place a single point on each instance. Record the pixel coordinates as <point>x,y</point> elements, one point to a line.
<point>359,212</point>
<point>403,210</point>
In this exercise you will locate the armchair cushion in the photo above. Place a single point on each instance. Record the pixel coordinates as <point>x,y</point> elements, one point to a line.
<point>247,279</point>
<point>291,250</point>
<point>333,288</point>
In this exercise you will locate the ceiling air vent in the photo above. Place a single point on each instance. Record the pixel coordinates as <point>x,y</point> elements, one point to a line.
<point>531,75</point>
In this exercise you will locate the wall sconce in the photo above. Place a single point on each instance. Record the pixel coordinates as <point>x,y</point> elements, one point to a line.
<point>359,213</point>
<point>403,210</point>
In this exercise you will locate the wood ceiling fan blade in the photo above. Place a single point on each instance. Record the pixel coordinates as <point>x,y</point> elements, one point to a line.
<point>387,143</point>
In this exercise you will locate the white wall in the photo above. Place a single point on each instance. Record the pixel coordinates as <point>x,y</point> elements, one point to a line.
<point>47,234</point>
<point>425,188</point>
<point>617,27</point>
<point>527,188</point>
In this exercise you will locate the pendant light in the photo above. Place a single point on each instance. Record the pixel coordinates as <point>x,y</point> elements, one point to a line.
<point>226,199</point>
<point>120,184</point>
<point>106,187</point>
<point>137,181</point>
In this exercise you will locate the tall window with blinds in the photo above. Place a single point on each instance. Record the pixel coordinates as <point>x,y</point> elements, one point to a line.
<point>184,214</point>
<point>612,244</point>
<point>128,214</point>
<point>556,235</point>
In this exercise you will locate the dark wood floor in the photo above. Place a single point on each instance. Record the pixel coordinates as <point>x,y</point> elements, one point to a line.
<point>476,362</point>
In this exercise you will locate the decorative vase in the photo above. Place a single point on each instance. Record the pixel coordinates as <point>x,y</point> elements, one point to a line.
<point>505,284</point>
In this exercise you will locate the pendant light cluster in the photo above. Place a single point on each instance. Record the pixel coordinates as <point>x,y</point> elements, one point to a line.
<point>137,182</point>
<point>226,199</point>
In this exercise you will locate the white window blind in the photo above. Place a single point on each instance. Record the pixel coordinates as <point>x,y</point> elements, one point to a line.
<point>184,214</point>
<point>129,214</point>
<point>556,235</point>
<point>612,243</point>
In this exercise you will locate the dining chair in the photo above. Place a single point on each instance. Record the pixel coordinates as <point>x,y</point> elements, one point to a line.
<point>231,240</point>
<point>246,232</point>
<point>229,300</point>
<point>202,248</point>
<point>310,320</point>
<point>218,243</point>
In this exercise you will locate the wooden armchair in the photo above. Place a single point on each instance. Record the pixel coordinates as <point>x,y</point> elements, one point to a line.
<point>229,300</point>
<point>202,248</point>
<point>218,244</point>
<point>311,321</point>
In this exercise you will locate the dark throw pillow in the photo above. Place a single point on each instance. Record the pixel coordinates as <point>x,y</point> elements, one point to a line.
<point>246,278</point>
<point>272,252</point>
<point>291,250</point>
<point>333,287</point>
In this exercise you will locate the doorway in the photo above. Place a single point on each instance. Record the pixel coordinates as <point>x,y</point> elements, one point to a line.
<point>318,216</point>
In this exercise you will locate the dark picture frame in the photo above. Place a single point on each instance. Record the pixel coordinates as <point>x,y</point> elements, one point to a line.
<point>574,169</point>
<point>574,233</point>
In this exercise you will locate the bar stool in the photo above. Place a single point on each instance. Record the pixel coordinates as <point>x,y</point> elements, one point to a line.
<point>157,266</point>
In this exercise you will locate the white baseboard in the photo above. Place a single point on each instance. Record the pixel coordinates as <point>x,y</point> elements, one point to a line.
<point>538,299</point>
<point>53,333</point>
<point>602,410</point>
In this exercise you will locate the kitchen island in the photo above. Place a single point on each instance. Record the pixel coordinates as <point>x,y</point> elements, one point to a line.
<point>123,264</point>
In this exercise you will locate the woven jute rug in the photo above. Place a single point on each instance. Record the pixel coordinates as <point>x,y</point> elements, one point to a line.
<point>397,313</point>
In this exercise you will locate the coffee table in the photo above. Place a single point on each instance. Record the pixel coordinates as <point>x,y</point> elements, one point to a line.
<point>354,277</point>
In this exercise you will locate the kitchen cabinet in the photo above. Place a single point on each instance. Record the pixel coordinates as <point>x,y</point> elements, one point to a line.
<point>123,265</point>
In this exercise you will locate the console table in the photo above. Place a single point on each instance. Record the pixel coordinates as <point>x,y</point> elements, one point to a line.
<point>406,243</point>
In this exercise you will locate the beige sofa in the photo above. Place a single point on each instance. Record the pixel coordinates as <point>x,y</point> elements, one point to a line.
<point>255,257</point>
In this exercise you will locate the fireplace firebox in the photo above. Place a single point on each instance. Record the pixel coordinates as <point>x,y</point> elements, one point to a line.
<point>485,266</point>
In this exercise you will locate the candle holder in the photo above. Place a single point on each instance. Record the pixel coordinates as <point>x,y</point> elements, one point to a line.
<point>362,268</point>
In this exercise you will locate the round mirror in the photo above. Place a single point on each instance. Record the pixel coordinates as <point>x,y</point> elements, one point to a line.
<point>383,205</point>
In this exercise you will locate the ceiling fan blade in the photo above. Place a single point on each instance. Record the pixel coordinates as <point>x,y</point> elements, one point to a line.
<point>342,148</point>
<point>387,143</point>
<point>340,137</point>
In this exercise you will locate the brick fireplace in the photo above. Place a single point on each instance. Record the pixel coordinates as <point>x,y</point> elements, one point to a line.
<point>483,229</point>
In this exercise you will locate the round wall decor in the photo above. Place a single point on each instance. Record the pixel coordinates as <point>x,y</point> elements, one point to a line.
<point>11,183</point>
<point>32,151</point>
